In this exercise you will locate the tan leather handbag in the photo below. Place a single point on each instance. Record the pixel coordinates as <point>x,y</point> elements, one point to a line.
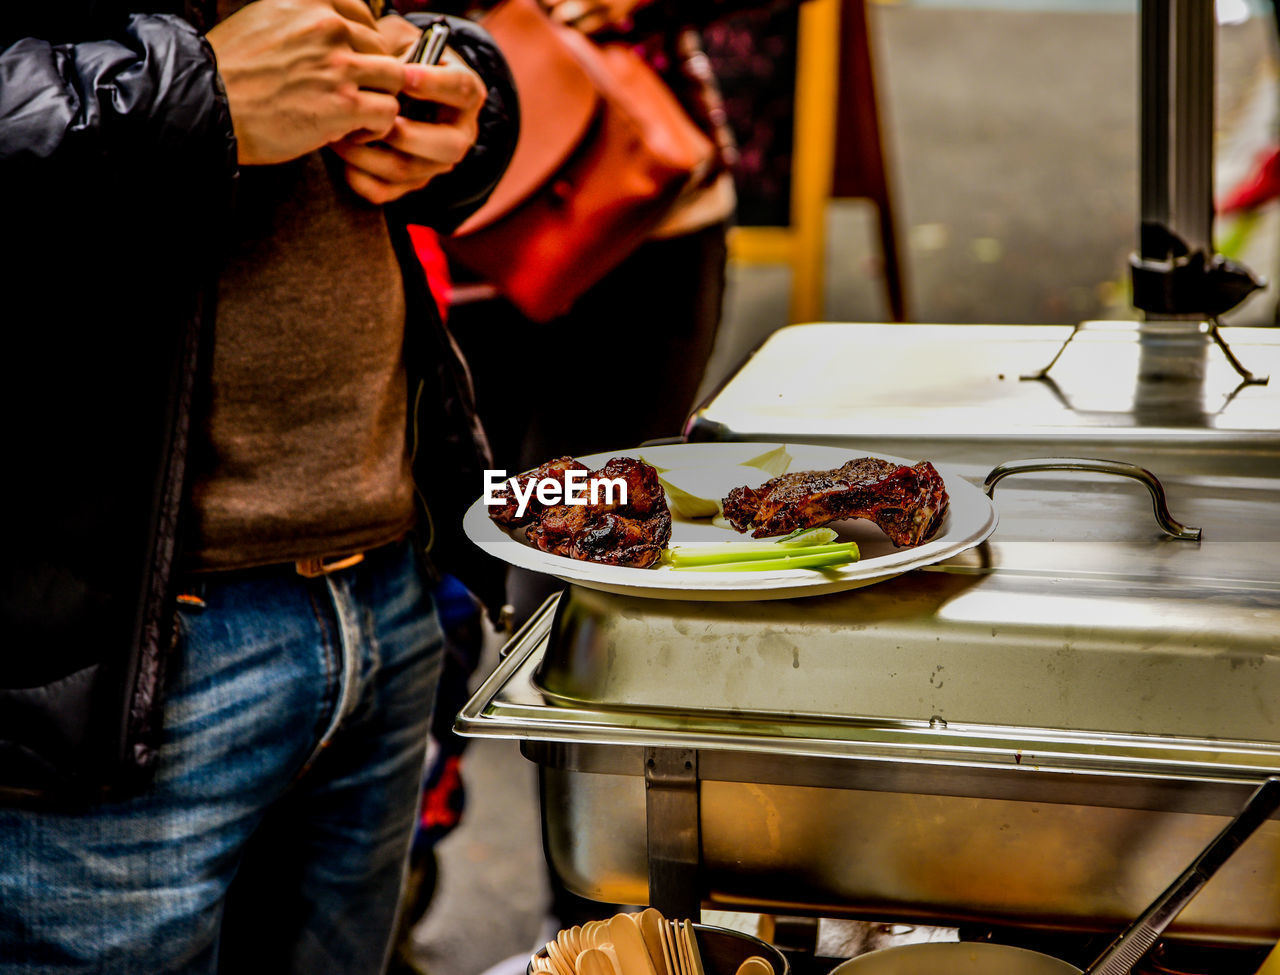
<point>604,151</point>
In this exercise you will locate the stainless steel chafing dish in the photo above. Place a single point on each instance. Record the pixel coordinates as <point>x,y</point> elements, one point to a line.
<point>1040,732</point>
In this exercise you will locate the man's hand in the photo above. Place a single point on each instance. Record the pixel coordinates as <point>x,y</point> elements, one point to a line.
<point>406,158</point>
<point>590,16</point>
<point>300,74</point>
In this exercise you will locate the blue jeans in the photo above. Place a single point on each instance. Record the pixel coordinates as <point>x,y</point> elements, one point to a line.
<point>275,834</point>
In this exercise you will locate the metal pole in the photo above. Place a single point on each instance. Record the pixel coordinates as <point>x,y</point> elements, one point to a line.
<point>1153,106</point>
<point>1176,151</point>
<point>1179,282</point>
<point>1192,157</point>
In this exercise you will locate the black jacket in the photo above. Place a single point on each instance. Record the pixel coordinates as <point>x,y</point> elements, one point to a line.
<point>117,165</point>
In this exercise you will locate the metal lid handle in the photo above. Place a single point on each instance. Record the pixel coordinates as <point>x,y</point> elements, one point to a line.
<point>1166,522</point>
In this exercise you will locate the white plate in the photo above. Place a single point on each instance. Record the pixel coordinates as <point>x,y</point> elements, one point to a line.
<point>970,518</point>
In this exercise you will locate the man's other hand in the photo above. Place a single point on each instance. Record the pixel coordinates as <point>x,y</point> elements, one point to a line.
<point>382,168</point>
<point>300,74</point>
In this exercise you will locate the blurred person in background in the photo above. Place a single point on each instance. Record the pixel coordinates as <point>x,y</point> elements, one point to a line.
<point>662,303</point>
<point>219,642</point>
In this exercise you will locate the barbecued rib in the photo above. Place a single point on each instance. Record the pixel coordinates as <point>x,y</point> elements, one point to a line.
<point>505,513</point>
<point>611,532</point>
<point>607,537</point>
<point>907,503</point>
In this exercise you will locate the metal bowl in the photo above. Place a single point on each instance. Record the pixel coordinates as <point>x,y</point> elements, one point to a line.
<point>955,958</point>
<point>722,950</point>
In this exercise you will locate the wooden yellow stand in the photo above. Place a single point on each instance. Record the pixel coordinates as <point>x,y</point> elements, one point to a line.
<point>816,161</point>
<point>802,245</point>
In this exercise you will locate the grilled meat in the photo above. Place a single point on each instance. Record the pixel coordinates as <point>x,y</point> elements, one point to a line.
<point>608,531</point>
<point>907,503</point>
<point>606,537</point>
<point>644,491</point>
<point>505,515</point>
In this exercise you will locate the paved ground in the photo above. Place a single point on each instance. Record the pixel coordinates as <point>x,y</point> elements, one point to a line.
<point>1014,139</point>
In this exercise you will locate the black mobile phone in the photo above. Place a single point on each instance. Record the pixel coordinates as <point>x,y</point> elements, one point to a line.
<point>428,50</point>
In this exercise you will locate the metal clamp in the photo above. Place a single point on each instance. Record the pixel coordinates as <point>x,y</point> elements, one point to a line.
<point>1166,522</point>
<point>674,834</point>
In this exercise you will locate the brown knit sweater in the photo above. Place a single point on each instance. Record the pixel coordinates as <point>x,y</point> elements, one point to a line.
<point>302,450</point>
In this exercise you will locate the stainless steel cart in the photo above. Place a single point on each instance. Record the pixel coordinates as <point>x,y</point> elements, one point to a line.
<point>1040,732</point>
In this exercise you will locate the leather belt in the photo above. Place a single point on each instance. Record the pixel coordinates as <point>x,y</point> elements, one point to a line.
<point>325,564</point>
